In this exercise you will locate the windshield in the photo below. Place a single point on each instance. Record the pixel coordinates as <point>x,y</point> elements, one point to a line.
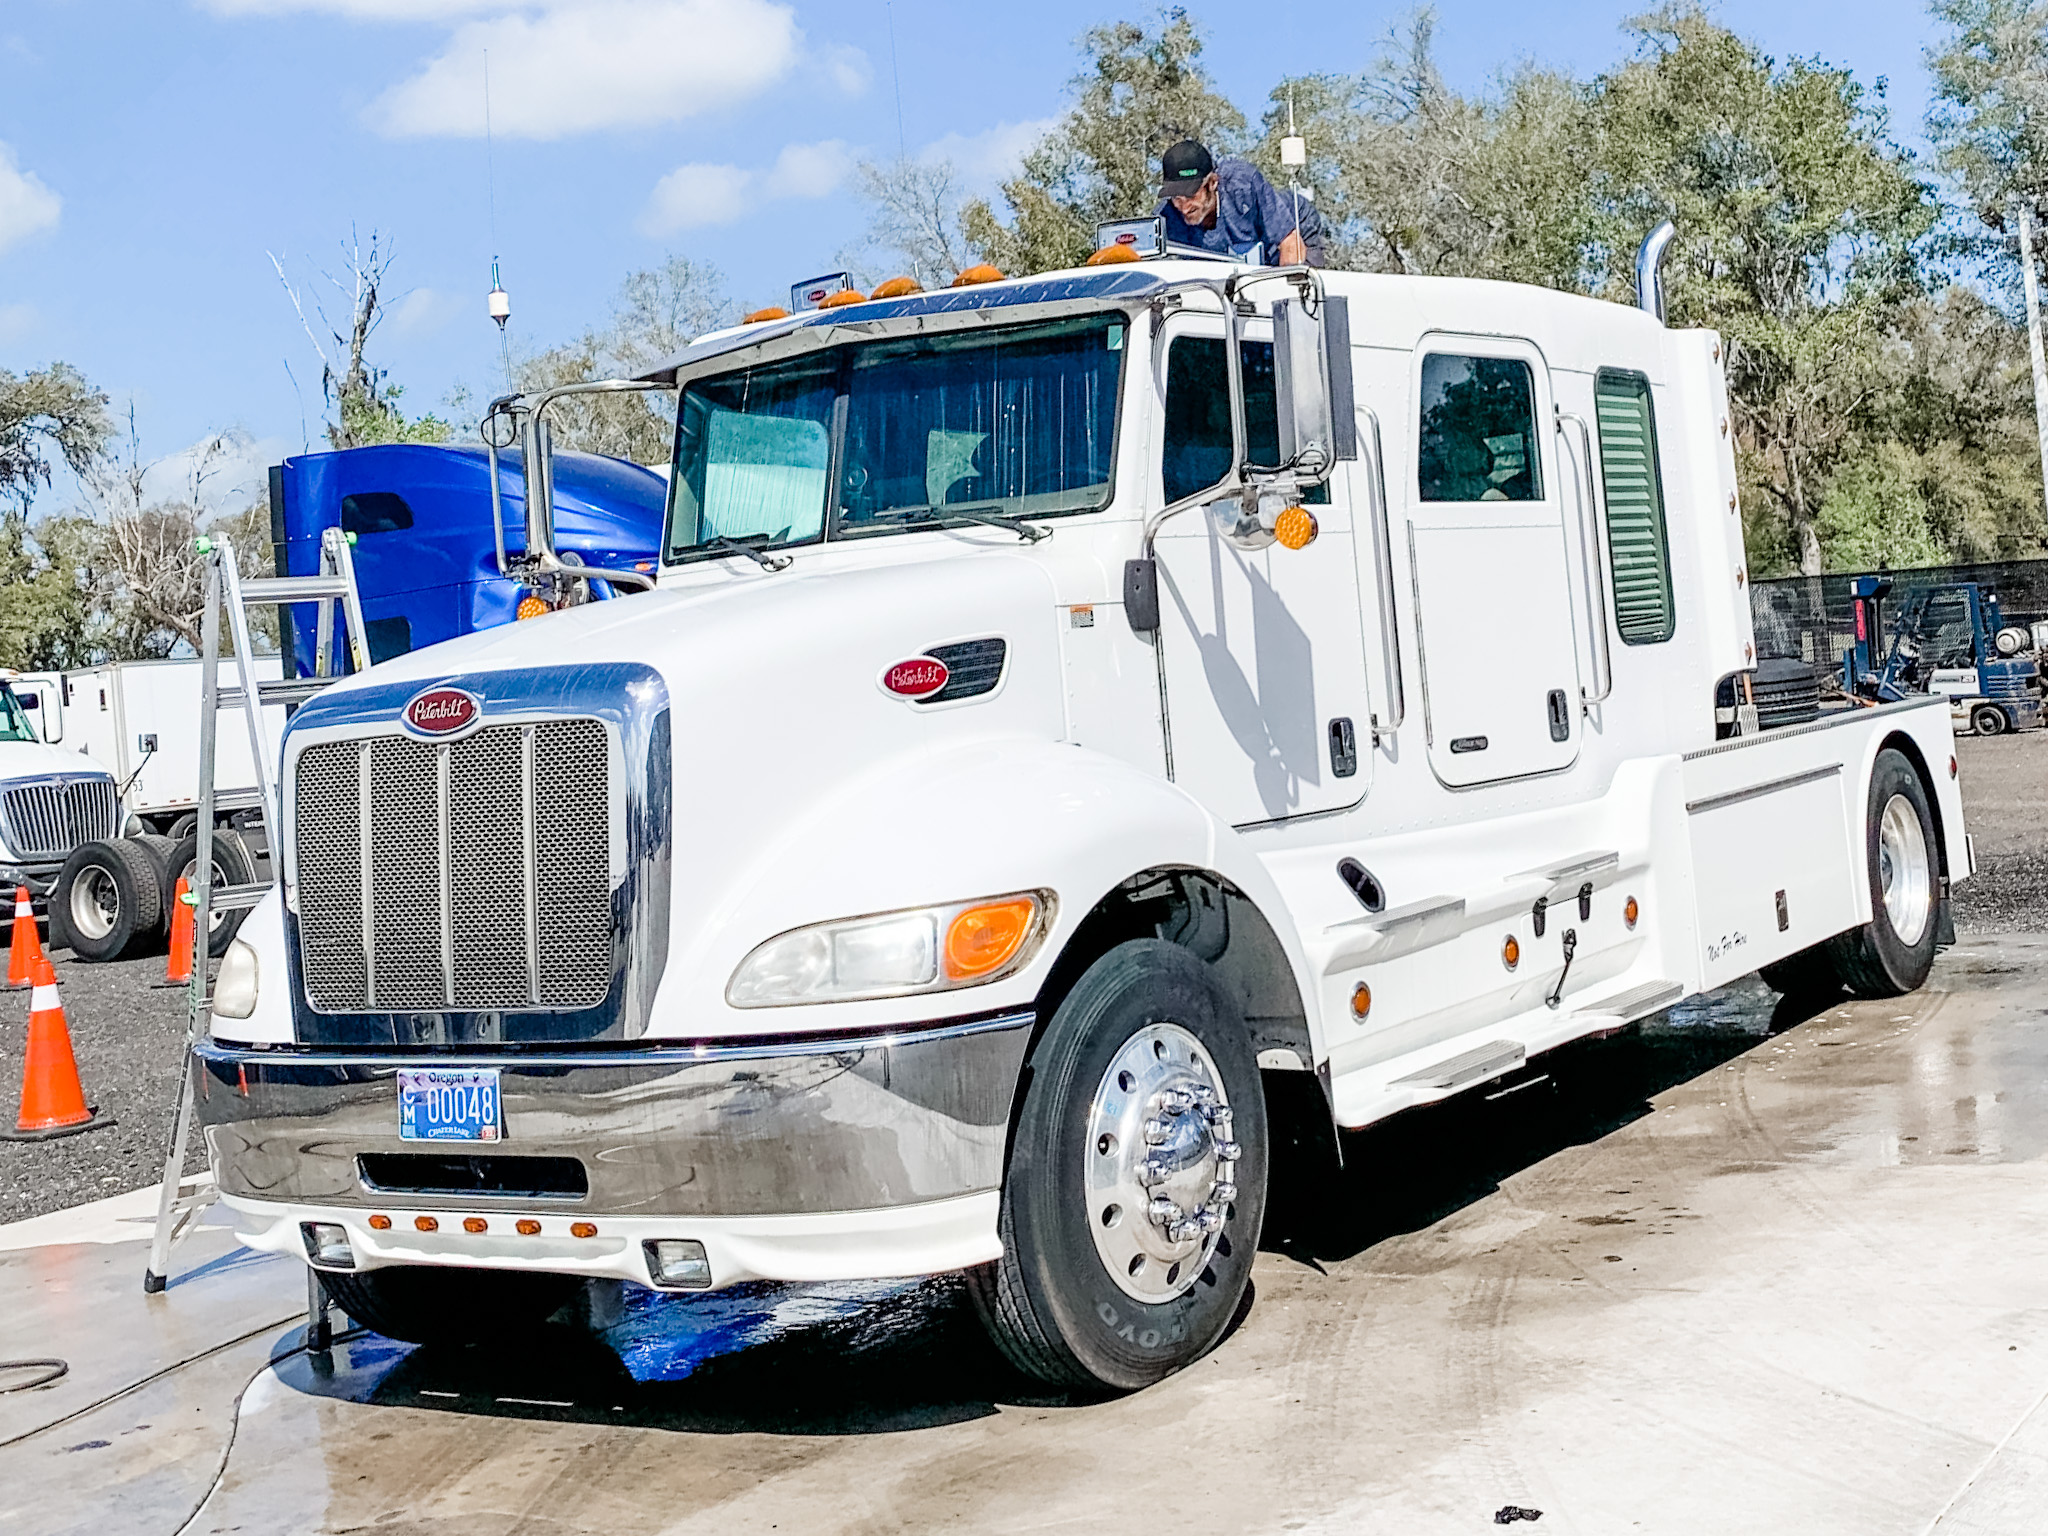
<point>1016,423</point>
<point>14,724</point>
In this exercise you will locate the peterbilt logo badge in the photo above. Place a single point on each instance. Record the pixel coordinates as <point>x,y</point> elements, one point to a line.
<point>918,678</point>
<point>442,712</point>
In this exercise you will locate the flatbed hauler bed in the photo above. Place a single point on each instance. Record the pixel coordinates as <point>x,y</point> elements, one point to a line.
<point>1041,734</point>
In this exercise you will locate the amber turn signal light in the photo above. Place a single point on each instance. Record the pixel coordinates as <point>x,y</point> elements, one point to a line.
<point>1361,1001</point>
<point>380,1223</point>
<point>426,1223</point>
<point>583,1229</point>
<point>475,1224</point>
<point>1511,952</point>
<point>984,939</point>
<point>528,1227</point>
<point>1296,528</point>
<point>531,607</point>
<point>1630,912</point>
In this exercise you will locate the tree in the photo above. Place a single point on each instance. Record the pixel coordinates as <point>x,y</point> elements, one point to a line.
<point>53,410</point>
<point>659,311</point>
<point>1800,225</point>
<point>365,407</point>
<point>1138,93</point>
<point>1410,176</point>
<point>917,206</point>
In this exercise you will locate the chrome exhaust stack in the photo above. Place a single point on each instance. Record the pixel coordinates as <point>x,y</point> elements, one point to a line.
<point>1650,269</point>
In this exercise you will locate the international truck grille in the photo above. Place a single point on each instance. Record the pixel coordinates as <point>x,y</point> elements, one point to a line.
<point>47,821</point>
<point>472,876</point>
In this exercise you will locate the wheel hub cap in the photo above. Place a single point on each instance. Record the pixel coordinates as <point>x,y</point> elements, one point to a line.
<point>1903,870</point>
<point>1161,1163</point>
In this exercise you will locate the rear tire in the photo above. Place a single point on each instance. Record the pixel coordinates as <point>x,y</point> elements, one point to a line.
<point>426,1304</point>
<point>108,900</point>
<point>1988,720</point>
<point>233,864</point>
<point>1892,953</point>
<point>1147,1042</point>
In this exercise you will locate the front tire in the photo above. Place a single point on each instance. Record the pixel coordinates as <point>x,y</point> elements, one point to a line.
<point>1893,953</point>
<point>1136,1184</point>
<point>427,1304</point>
<point>1988,720</point>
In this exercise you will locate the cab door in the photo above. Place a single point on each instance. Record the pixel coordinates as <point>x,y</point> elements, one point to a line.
<point>1489,561</point>
<point>1262,651</point>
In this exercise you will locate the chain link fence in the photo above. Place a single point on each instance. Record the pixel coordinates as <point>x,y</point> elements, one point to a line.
<point>1808,618</point>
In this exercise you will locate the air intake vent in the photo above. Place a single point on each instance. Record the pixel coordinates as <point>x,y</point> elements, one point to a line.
<point>473,875</point>
<point>974,667</point>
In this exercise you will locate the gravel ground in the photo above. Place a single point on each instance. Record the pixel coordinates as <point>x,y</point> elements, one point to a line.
<point>128,1034</point>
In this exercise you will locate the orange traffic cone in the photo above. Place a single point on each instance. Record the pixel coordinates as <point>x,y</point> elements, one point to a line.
<point>27,947</point>
<point>178,968</point>
<point>52,1101</point>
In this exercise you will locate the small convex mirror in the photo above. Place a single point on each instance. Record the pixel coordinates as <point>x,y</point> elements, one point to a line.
<point>1301,380</point>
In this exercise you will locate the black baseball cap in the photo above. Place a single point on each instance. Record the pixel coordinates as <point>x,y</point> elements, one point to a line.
<point>1182,168</point>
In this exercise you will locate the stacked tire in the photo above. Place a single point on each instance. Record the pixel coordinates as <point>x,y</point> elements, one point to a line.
<point>114,898</point>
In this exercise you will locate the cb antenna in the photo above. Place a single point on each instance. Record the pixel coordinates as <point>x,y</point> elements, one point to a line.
<point>1294,156</point>
<point>499,301</point>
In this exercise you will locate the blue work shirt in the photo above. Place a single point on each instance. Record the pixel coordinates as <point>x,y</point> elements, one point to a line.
<point>1250,211</point>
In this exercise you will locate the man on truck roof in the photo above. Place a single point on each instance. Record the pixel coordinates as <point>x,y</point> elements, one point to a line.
<point>1229,207</point>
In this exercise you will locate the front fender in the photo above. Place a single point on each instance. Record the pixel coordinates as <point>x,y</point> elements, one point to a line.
<point>981,819</point>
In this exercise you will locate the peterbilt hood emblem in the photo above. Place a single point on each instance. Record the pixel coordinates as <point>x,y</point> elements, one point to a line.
<point>442,712</point>
<point>917,678</point>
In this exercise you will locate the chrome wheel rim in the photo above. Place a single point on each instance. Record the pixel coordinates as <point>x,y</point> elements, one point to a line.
<point>190,875</point>
<point>1160,1163</point>
<point>1903,869</point>
<point>95,903</point>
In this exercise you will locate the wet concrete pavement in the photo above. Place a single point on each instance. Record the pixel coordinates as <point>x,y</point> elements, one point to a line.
<point>1739,1269</point>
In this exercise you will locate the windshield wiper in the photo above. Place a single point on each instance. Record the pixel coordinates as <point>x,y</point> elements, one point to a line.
<point>1024,531</point>
<point>766,561</point>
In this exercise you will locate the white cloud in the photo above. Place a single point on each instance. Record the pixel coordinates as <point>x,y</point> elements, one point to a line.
<point>358,10</point>
<point>985,158</point>
<point>26,205</point>
<point>697,195</point>
<point>849,69</point>
<point>16,322</point>
<point>221,473</point>
<point>808,170</point>
<point>571,68</point>
<point>424,311</point>
<point>691,196</point>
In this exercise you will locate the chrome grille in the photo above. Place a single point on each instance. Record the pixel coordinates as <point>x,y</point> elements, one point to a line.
<point>48,820</point>
<point>472,875</point>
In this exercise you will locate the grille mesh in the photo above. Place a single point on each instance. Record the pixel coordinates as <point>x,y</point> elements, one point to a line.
<point>47,821</point>
<point>446,879</point>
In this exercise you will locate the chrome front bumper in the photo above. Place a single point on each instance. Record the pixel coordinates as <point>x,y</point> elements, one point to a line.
<point>767,1129</point>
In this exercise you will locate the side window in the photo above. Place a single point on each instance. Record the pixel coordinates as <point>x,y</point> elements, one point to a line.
<point>1197,437</point>
<point>1478,430</point>
<point>375,512</point>
<point>1638,548</point>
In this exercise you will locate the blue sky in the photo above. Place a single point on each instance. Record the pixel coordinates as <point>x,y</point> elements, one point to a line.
<point>154,154</point>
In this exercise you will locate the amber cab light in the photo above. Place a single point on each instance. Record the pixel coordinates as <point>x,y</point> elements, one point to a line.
<point>772,312</point>
<point>426,1223</point>
<point>531,607</point>
<point>1361,1000</point>
<point>1295,528</point>
<point>1112,255</point>
<point>475,1224</point>
<point>380,1223</point>
<point>898,288</point>
<point>583,1229</point>
<point>1511,952</point>
<point>985,938</point>
<point>1630,912</point>
<point>981,272</point>
<point>528,1227</point>
<point>843,298</point>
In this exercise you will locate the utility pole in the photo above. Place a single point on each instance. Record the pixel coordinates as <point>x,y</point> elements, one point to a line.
<point>2033,291</point>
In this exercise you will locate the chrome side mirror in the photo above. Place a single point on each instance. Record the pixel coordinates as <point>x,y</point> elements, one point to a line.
<point>1301,384</point>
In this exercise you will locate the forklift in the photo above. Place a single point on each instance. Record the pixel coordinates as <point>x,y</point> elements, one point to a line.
<point>1949,639</point>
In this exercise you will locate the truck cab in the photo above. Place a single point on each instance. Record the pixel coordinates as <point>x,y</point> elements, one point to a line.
<point>52,800</point>
<point>1065,706</point>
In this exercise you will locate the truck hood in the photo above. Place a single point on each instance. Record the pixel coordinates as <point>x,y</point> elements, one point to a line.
<point>34,760</point>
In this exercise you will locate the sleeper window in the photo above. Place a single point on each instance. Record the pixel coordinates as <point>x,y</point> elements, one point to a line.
<point>1478,430</point>
<point>1638,550</point>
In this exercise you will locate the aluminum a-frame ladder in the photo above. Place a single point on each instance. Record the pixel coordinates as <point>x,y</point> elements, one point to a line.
<point>178,1208</point>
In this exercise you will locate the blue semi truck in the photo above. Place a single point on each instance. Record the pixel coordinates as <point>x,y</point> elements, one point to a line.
<point>427,562</point>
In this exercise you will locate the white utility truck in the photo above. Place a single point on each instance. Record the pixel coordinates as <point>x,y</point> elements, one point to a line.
<point>52,800</point>
<point>1062,701</point>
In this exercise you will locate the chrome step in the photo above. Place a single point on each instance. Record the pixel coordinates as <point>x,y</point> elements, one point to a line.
<point>1635,1003</point>
<point>1473,1066</point>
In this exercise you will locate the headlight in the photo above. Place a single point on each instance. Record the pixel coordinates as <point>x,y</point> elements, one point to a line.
<point>234,989</point>
<point>891,954</point>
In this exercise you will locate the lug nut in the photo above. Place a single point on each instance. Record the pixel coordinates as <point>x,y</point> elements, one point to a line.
<point>1220,1121</point>
<point>1204,1095</point>
<point>1210,1218</point>
<point>1228,1151</point>
<point>1156,1131</point>
<point>1223,1193</point>
<point>1155,1171</point>
<point>1163,1211</point>
<point>1176,1101</point>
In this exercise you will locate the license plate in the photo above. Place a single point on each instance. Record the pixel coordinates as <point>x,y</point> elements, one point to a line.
<point>442,1104</point>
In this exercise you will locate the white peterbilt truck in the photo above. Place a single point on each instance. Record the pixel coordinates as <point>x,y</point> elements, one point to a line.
<point>1040,731</point>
